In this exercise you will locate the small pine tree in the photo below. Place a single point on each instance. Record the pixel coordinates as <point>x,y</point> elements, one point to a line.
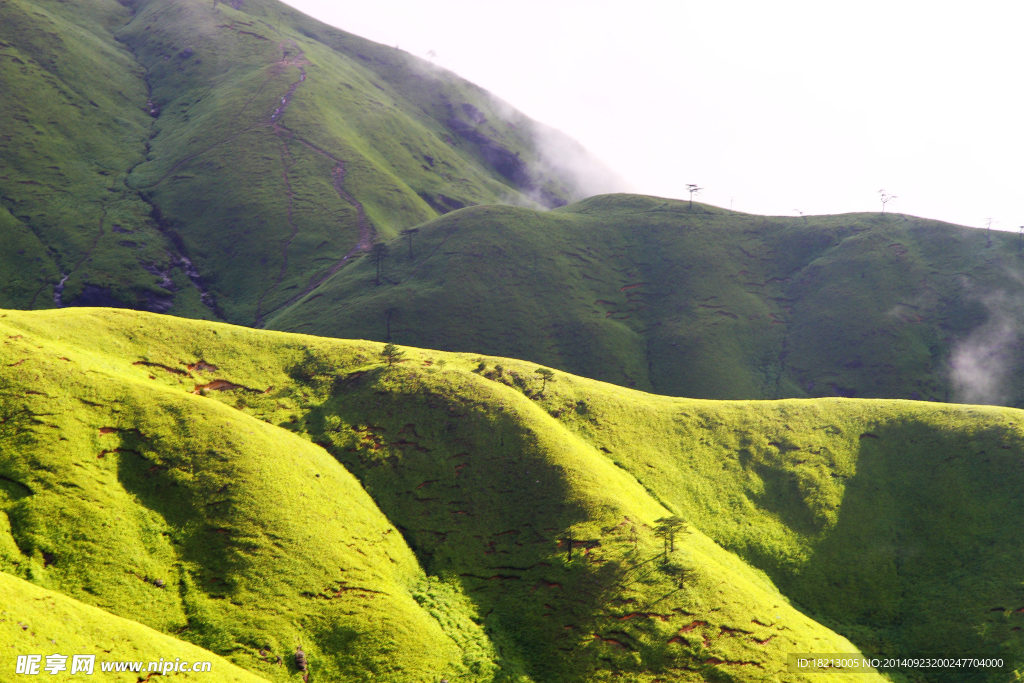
<point>391,354</point>
<point>667,528</point>
<point>545,376</point>
<point>693,189</point>
<point>409,232</point>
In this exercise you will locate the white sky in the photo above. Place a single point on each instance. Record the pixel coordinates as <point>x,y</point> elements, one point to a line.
<point>769,106</point>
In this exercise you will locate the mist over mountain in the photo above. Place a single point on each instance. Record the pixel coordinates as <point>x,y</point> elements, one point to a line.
<point>218,160</point>
<point>413,391</point>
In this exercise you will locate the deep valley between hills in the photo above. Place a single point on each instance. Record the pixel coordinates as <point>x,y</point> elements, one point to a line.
<point>317,364</point>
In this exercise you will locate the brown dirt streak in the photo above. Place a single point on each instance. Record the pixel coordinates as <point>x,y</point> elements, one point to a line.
<point>365,231</point>
<point>286,162</point>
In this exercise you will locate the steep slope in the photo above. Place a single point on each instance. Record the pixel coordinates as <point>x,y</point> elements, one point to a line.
<point>700,302</point>
<point>74,125</point>
<point>219,159</point>
<point>529,506</point>
<point>37,621</point>
<point>540,551</point>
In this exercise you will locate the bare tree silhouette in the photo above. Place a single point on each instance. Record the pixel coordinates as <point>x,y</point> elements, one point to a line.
<point>693,189</point>
<point>886,198</point>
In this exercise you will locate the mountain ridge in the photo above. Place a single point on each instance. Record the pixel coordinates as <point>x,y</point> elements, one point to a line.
<point>698,301</point>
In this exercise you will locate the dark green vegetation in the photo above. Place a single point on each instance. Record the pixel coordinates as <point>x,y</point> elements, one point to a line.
<point>456,516</point>
<point>647,293</point>
<point>218,159</point>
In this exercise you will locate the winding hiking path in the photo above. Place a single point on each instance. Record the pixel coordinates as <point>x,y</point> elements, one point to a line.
<point>291,56</point>
<point>286,162</point>
<point>365,230</point>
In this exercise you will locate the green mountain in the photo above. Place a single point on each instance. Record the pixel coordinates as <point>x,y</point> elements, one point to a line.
<point>237,161</point>
<point>698,301</point>
<point>462,517</point>
<point>291,507</point>
<point>220,159</point>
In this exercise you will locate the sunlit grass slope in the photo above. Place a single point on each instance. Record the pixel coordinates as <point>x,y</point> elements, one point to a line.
<point>216,159</point>
<point>139,450</point>
<point>190,517</point>
<point>34,620</point>
<point>700,302</point>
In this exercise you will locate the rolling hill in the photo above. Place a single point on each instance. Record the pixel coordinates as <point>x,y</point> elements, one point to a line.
<point>699,301</point>
<point>215,160</point>
<point>456,516</point>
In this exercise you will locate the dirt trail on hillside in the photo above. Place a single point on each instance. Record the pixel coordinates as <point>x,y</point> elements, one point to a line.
<point>291,56</point>
<point>287,161</point>
<point>365,230</point>
<point>338,178</point>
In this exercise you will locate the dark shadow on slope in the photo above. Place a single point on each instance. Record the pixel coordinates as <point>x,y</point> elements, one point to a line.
<point>927,554</point>
<point>477,499</point>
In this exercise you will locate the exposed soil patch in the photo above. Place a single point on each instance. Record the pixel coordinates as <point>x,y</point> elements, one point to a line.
<point>224,385</point>
<point>176,371</point>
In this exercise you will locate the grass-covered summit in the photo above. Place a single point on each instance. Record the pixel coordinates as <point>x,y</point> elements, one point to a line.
<point>218,159</point>
<point>462,517</point>
<point>699,301</point>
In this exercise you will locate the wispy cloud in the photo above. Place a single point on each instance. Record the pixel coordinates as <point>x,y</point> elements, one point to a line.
<point>981,366</point>
<point>564,157</point>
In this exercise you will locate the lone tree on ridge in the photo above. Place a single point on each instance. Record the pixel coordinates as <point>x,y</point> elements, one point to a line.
<point>545,376</point>
<point>380,252</point>
<point>409,232</point>
<point>886,198</point>
<point>391,354</point>
<point>692,189</point>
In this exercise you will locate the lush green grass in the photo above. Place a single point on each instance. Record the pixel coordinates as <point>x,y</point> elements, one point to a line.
<point>896,523</point>
<point>73,127</point>
<point>366,140</point>
<point>647,293</point>
<point>483,485</point>
<point>34,620</point>
<point>262,541</point>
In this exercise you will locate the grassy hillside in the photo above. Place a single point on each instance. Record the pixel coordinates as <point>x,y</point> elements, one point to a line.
<point>457,517</point>
<point>43,622</point>
<point>196,520</point>
<point>702,302</point>
<point>216,159</point>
